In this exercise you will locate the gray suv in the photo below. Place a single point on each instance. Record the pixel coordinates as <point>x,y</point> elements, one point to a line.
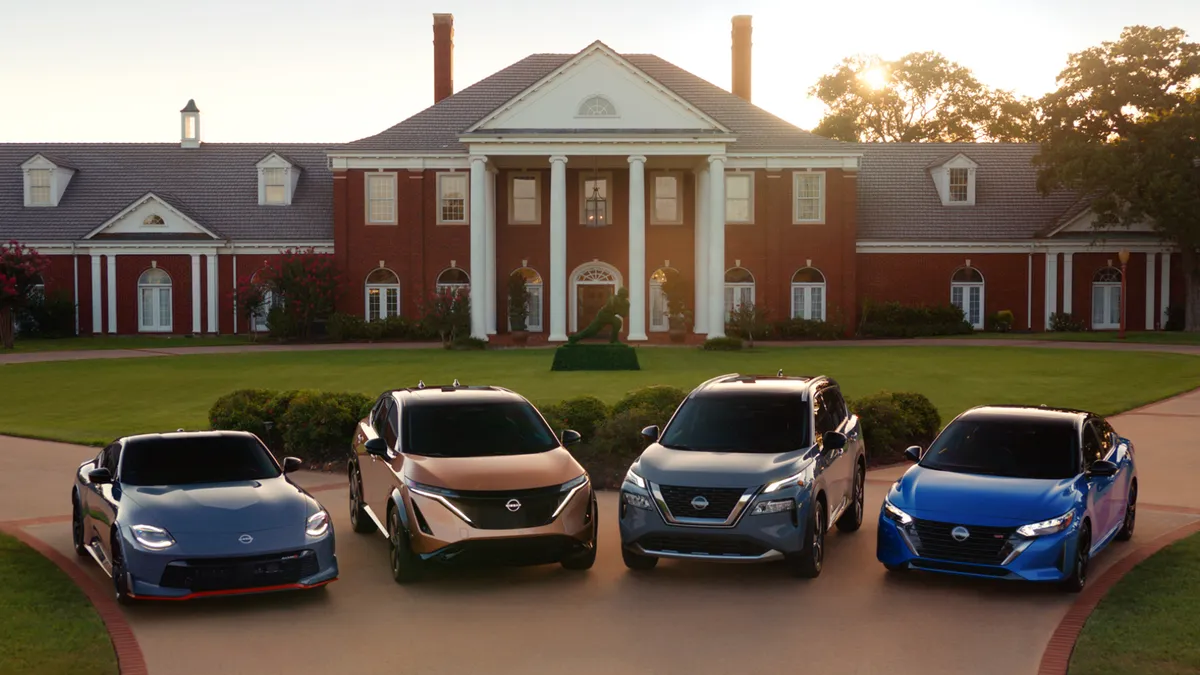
<point>748,469</point>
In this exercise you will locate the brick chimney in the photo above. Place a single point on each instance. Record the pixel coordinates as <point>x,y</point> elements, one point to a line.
<point>741,56</point>
<point>443,56</point>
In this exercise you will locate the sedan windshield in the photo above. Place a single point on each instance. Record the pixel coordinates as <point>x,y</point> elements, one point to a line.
<point>1017,448</point>
<point>189,460</point>
<point>475,429</point>
<point>766,423</point>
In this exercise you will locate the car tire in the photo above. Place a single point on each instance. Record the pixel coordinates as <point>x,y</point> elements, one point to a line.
<point>1077,579</point>
<point>808,562</point>
<point>852,519</point>
<point>1126,532</point>
<point>120,575</point>
<point>77,529</point>
<point>585,559</point>
<point>637,561</point>
<point>360,522</point>
<point>406,565</point>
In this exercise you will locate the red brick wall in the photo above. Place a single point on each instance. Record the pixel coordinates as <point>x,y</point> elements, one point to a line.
<point>130,267</point>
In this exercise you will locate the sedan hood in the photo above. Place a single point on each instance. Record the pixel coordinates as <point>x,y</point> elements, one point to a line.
<point>506,472</point>
<point>693,468</point>
<point>946,495</point>
<point>244,506</point>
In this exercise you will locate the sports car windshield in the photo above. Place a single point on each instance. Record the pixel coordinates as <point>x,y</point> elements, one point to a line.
<point>475,429</point>
<point>198,459</point>
<point>1017,448</point>
<point>767,423</point>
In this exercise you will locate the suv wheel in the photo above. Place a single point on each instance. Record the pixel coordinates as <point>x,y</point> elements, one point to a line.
<point>359,520</point>
<point>852,519</point>
<point>585,559</point>
<point>807,563</point>
<point>637,561</point>
<point>406,565</point>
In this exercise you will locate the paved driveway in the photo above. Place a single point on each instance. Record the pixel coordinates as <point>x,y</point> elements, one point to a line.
<point>681,618</point>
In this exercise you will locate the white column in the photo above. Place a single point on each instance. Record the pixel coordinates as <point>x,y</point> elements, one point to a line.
<point>490,252</point>
<point>1051,285</point>
<point>112,293</point>
<point>233,285</point>
<point>716,246</point>
<point>1164,291</point>
<point>558,248</point>
<point>196,293</point>
<point>1068,280</point>
<point>637,248</point>
<point>479,284</point>
<point>700,276</point>
<point>1150,291</point>
<point>97,302</point>
<point>212,293</point>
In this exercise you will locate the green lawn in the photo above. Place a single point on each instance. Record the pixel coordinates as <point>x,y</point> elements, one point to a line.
<point>48,625</point>
<point>1148,337</point>
<point>97,400</point>
<point>125,342</point>
<point>1147,623</point>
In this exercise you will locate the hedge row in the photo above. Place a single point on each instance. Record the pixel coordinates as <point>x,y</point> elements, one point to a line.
<point>894,320</point>
<point>315,426</point>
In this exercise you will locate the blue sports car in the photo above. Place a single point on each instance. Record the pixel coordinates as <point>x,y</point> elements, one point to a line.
<point>185,515</point>
<point>1014,493</point>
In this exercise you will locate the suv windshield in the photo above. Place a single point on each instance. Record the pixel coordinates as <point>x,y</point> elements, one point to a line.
<point>196,459</point>
<point>474,429</point>
<point>766,423</point>
<point>1017,448</point>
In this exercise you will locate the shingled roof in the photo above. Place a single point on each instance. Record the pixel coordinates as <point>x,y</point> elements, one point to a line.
<point>216,185</point>
<point>437,129</point>
<point>897,199</point>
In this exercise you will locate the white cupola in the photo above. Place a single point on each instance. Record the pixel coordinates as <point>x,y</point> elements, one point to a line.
<point>189,125</point>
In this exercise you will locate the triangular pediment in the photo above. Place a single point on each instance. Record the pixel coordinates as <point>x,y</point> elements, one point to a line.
<point>1085,223</point>
<point>149,217</point>
<point>597,89</point>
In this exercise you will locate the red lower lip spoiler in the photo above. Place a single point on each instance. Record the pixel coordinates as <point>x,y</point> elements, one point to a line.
<point>236,591</point>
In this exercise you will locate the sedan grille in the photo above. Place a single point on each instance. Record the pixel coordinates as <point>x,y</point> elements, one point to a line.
<point>983,545</point>
<point>702,545</point>
<point>721,501</point>
<point>493,510</point>
<point>217,574</point>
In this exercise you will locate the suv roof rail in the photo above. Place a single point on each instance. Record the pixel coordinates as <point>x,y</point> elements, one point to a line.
<point>420,384</point>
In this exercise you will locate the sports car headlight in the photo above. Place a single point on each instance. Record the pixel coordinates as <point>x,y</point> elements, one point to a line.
<point>152,537</point>
<point>1047,526</point>
<point>634,479</point>
<point>796,479</point>
<point>893,513</point>
<point>317,525</point>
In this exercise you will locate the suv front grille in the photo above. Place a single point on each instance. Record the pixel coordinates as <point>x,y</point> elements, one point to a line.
<point>216,574</point>
<point>984,546</point>
<point>721,501</point>
<point>702,545</point>
<point>489,510</point>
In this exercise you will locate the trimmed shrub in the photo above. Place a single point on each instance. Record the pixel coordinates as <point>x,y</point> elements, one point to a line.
<point>659,400</point>
<point>373,330</point>
<point>595,356</point>
<point>894,320</point>
<point>342,327</point>
<point>1000,322</point>
<point>1175,318</point>
<point>749,321</point>
<point>281,325</point>
<point>250,410</point>
<point>723,344</point>
<point>618,442</point>
<point>318,425</point>
<point>467,343</point>
<point>1062,322</point>
<point>893,421</point>
<point>46,316</point>
<point>922,416</point>
<point>808,329</point>
<point>583,414</point>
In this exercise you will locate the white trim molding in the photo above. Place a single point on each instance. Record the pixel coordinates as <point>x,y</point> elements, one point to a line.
<point>773,162</point>
<point>339,161</point>
<point>602,147</point>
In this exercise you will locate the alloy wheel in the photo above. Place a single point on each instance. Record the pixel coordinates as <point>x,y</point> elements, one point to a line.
<point>355,497</point>
<point>818,544</point>
<point>394,541</point>
<point>859,494</point>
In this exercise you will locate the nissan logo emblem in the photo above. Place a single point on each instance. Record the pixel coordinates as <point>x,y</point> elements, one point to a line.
<point>960,533</point>
<point>245,539</point>
<point>513,505</point>
<point>699,503</point>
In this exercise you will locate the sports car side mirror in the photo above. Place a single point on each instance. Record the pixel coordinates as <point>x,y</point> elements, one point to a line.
<point>570,437</point>
<point>100,476</point>
<point>913,452</point>
<point>833,440</point>
<point>1102,468</point>
<point>377,447</point>
<point>291,464</point>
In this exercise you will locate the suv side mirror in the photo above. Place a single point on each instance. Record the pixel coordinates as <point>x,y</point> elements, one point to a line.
<point>833,440</point>
<point>377,447</point>
<point>100,476</point>
<point>291,464</point>
<point>1102,468</point>
<point>651,432</point>
<point>570,437</point>
<point>913,452</point>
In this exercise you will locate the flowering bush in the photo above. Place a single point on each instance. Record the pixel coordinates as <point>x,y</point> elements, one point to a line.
<point>21,269</point>
<point>305,283</point>
<point>447,312</point>
<point>250,297</point>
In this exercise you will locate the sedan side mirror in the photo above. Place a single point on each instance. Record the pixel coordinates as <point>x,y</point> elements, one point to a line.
<point>913,452</point>
<point>100,476</point>
<point>570,437</point>
<point>291,464</point>
<point>1102,468</point>
<point>651,432</point>
<point>833,440</point>
<point>377,447</point>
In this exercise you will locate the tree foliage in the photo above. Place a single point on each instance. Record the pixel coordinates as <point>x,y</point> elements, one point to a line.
<point>922,96</point>
<point>1123,128</point>
<point>21,269</point>
<point>305,283</point>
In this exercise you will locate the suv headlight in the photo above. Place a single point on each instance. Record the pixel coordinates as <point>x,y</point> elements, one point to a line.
<point>634,479</point>
<point>893,513</point>
<point>1045,527</point>
<point>796,479</point>
<point>570,487</point>
<point>773,506</point>
<point>317,524</point>
<point>152,537</point>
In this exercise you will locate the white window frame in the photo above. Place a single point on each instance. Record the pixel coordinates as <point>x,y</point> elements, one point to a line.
<point>966,287</point>
<point>739,175</point>
<point>806,292</point>
<point>533,320</point>
<point>143,326</point>
<point>382,289</point>
<point>586,177</point>
<point>661,322</point>
<point>281,174</point>
<point>380,176</point>
<point>679,201</point>
<point>34,187</point>
<point>438,286</point>
<point>797,177</point>
<point>735,295</point>
<point>466,198</point>
<point>966,184</point>
<point>537,191</point>
<point>1108,287</point>
<point>584,107</point>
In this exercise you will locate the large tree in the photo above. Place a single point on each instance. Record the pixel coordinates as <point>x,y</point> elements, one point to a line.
<point>919,97</point>
<point>21,269</point>
<point>1124,127</point>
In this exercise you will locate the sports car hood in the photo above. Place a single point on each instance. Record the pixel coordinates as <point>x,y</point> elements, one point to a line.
<point>717,469</point>
<point>507,472</point>
<point>244,506</point>
<point>946,495</point>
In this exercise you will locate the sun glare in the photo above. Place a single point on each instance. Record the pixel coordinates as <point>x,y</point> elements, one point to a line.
<point>875,78</point>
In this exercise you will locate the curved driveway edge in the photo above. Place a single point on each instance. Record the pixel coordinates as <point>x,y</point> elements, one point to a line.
<point>130,660</point>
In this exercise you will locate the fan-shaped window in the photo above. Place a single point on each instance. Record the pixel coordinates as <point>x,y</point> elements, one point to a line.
<point>966,293</point>
<point>597,106</point>
<point>1107,275</point>
<point>382,294</point>
<point>739,289</point>
<point>453,279</point>
<point>153,219</point>
<point>154,301</point>
<point>808,294</point>
<point>1106,298</point>
<point>533,307</point>
<point>967,275</point>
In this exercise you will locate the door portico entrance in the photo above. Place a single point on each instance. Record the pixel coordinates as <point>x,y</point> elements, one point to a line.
<point>592,284</point>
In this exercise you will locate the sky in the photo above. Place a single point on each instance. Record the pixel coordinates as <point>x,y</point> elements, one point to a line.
<point>322,71</point>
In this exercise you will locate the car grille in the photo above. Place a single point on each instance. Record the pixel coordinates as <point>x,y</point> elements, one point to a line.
<point>215,574</point>
<point>489,511</point>
<point>702,545</point>
<point>984,546</point>
<point>721,501</point>
<point>942,566</point>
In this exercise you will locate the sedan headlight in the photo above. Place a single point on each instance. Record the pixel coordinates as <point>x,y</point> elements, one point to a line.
<point>317,525</point>
<point>893,513</point>
<point>796,479</point>
<point>774,506</point>
<point>1045,527</point>
<point>152,537</point>
<point>634,479</point>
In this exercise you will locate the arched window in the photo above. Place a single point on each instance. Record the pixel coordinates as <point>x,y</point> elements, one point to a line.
<point>966,293</point>
<point>533,308</point>
<point>1106,298</point>
<point>660,315</point>
<point>597,106</point>
<point>453,279</point>
<point>739,289</point>
<point>382,294</point>
<point>153,219</point>
<point>260,324</point>
<point>154,301</point>
<point>808,294</point>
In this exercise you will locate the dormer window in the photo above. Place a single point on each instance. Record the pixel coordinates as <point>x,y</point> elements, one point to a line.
<point>954,179</point>
<point>45,179</point>
<point>959,179</point>
<point>275,191</point>
<point>277,177</point>
<point>39,187</point>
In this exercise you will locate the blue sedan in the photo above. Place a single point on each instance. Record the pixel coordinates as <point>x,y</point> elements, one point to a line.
<point>186,515</point>
<point>1013,493</point>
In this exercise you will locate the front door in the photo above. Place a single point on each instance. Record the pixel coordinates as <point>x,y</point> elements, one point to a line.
<point>659,321</point>
<point>154,312</point>
<point>589,300</point>
<point>1106,306</point>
